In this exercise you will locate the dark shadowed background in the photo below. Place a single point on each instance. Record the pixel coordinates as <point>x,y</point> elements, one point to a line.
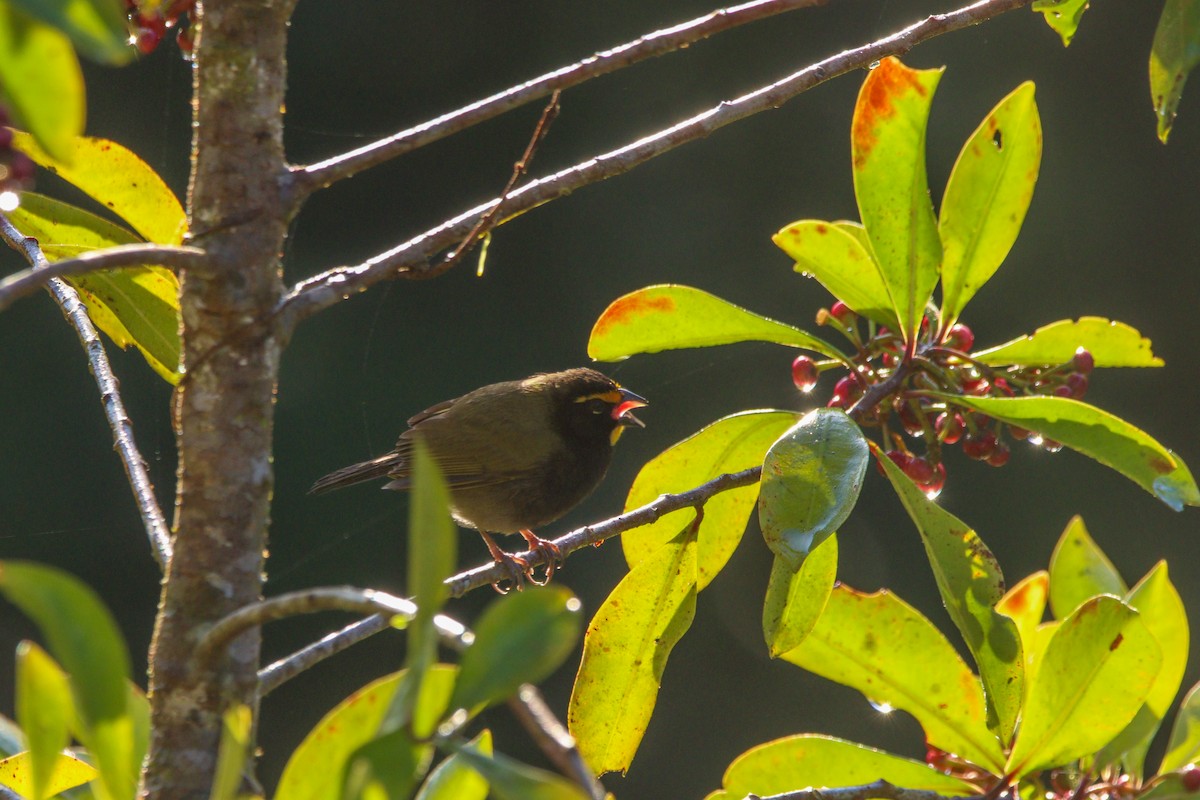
<point>1114,230</point>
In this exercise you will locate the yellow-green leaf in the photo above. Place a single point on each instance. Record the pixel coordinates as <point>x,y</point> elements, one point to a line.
<point>843,263</point>
<point>41,78</point>
<point>887,138</point>
<point>1103,436</point>
<point>97,27</point>
<point>1079,570</point>
<point>16,773</point>
<point>1111,343</point>
<point>509,779</point>
<point>1062,16</point>
<point>1174,54</point>
<point>784,765</point>
<point>1094,675</point>
<point>987,196</point>
<point>231,753</point>
<point>886,649</point>
<point>135,305</point>
<point>1184,746</point>
<point>1025,604</point>
<point>45,712</point>
<point>119,180</point>
<point>731,444</point>
<point>795,599</point>
<point>625,652</point>
<point>454,779</point>
<point>672,317</point>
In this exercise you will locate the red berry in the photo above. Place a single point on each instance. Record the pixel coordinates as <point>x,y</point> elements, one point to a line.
<point>1051,446</point>
<point>1077,382</point>
<point>960,337</point>
<point>1064,391</point>
<point>147,40</point>
<point>898,457</point>
<point>842,313</point>
<point>979,445</point>
<point>978,386</point>
<point>910,418</point>
<point>933,486</point>
<point>1003,386</point>
<point>999,457</point>
<point>949,427</point>
<point>1083,361</point>
<point>804,373</point>
<point>1190,778</point>
<point>20,167</point>
<point>6,137</point>
<point>1018,433</point>
<point>847,388</point>
<point>920,470</point>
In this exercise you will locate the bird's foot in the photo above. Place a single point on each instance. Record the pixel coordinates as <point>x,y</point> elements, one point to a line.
<point>518,569</point>
<point>552,557</point>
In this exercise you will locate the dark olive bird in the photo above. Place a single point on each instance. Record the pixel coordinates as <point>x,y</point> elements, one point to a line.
<point>516,455</point>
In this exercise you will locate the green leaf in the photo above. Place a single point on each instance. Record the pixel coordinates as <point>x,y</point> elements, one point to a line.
<point>85,640</point>
<point>731,444</point>
<point>843,263</point>
<point>231,753</point>
<point>45,713</point>
<point>1062,16</point>
<point>1079,570</point>
<point>97,27</point>
<point>796,598</point>
<point>454,779</point>
<point>315,769</point>
<point>1103,436</point>
<point>1161,609</point>
<point>433,551</point>
<point>511,780</point>
<point>521,638</point>
<point>1183,748</point>
<point>785,764</point>
<point>120,181</point>
<point>886,649</point>
<point>1096,672</point>
<point>1112,344</point>
<point>810,483</point>
<point>1025,605</point>
<point>971,584</point>
<point>671,317</point>
<point>1175,53</point>
<point>625,652</point>
<point>888,148</point>
<point>42,80</point>
<point>388,766</point>
<point>987,196</point>
<point>136,305</point>
<point>16,773</point>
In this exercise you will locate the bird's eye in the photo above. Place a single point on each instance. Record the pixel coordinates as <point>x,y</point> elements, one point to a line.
<point>596,406</point>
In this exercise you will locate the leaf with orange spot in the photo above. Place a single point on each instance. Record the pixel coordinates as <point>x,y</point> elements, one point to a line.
<point>887,139</point>
<point>669,317</point>
<point>886,649</point>
<point>987,196</point>
<point>1096,433</point>
<point>1025,604</point>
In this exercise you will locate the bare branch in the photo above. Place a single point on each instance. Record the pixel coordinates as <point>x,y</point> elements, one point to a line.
<point>26,283</point>
<point>110,395</point>
<point>311,601</point>
<point>310,178</point>
<point>415,258</point>
<point>531,710</point>
<point>879,790</point>
<point>277,673</point>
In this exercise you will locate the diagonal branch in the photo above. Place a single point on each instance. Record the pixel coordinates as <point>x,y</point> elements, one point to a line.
<point>881,790</point>
<point>307,179</point>
<point>21,284</point>
<point>416,257</point>
<point>110,395</point>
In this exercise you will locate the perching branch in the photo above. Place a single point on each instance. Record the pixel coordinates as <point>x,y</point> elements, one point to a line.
<point>307,179</point>
<point>552,736</point>
<point>26,283</point>
<point>110,395</point>
<point>879,790</point>
<point>416,258</point>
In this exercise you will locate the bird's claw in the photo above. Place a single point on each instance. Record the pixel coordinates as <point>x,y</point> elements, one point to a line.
<point>551,556</point>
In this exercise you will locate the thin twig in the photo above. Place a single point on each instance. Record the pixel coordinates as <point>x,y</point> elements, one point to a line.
<point>22,284</point>
<point>311,601</point>
<point>489,220</point>
<point>416,257</point>
<point>879,790</point>
<point>306,179</point>
<point>274,675</point>
<point>110,395</point>
<point>551,735</point>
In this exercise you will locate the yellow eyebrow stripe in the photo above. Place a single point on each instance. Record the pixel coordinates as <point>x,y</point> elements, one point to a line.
<point>613,396</point>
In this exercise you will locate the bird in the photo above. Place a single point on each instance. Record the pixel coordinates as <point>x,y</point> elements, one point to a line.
<point>516,455</point>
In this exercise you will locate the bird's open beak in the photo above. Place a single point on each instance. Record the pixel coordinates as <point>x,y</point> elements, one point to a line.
<point>623,411</point>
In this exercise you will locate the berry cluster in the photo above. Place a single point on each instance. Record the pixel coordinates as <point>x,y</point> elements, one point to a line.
<point>938,362</point>
<point>150,26</point>
<point>16,168</point>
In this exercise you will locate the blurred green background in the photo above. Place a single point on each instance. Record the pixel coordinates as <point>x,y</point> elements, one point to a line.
<point>1114,230</point>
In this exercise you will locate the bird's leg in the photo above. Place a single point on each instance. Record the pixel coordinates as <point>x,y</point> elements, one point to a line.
<point>518,568</point>
<point>549,552</point>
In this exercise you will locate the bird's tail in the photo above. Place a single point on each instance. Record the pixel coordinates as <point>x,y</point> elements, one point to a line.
<point>357,473</point>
